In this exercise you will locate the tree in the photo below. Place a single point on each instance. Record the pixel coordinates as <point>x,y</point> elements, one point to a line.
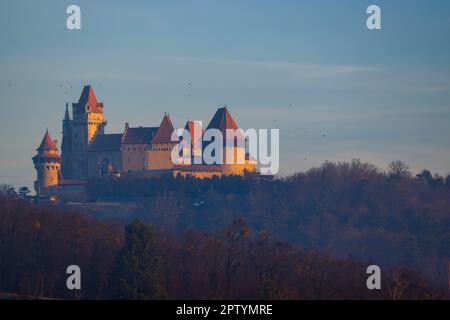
<point>398,169</point>
<point>447,181</point>
<point>7,190</point>
<point>24,192</point>
<point>234,235</point>
<point>425,176</point>
<point>139,268</point>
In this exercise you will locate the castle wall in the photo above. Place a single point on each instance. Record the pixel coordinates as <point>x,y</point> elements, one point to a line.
<point>68,193</point>
<point>238,155</point>
<point>239,164</point>
<point>196,174</point>
<point>134,157</point>
<point>159,157</point>
<point>97,159</point>
<point>238,169</point>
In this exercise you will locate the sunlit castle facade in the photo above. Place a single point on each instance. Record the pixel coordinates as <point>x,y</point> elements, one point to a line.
<point>87,152</point>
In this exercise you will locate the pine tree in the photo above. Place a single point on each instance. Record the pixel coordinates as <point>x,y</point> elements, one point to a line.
<point>24,192</point>
<point>139,268</point>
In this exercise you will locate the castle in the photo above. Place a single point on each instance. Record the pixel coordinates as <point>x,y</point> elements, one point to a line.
<point>87,152</point>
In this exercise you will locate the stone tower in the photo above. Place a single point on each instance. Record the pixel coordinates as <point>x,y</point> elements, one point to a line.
<point>87,122</point>
<point>47,164</point>
<point>160,155</point>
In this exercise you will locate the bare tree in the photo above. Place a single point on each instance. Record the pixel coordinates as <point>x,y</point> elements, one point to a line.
<point>398,169</point>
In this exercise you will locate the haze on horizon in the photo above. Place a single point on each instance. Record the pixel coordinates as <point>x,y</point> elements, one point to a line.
<point>336,90</point>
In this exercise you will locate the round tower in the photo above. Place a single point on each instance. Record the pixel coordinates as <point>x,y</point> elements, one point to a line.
<point>47,163</point>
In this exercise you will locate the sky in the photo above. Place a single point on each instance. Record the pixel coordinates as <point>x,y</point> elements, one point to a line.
<point>336,90</point>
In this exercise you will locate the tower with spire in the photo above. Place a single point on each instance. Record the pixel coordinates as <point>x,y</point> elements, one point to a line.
<point>78,133</point>
<point>47,163</point>
<point>66,145</point>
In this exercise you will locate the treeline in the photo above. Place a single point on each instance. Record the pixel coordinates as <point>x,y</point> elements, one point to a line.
<point>37,244</point>
<point>349,209</point>
<point>145,262</point>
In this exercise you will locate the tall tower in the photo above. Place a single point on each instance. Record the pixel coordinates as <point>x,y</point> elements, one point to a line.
<point>87,122</point>
<point>47,164</point>
<point>66,145</point>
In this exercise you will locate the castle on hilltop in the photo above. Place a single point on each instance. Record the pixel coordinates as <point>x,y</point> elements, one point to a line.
<point>87,152</point>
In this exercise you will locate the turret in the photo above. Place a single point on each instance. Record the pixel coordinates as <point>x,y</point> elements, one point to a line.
<point>47,163</point>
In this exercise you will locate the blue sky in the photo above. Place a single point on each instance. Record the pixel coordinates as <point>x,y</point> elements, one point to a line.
<point>295,65</point>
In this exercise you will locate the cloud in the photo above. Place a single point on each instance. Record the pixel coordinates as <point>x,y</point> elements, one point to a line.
<point>306,70</point>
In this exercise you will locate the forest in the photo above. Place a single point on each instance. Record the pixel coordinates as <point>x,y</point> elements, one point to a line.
<point>349,209</point>
<point>306,236</point>
<point>142,261</point>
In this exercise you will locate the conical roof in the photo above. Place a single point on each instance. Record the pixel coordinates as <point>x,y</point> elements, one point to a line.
<point>47,143</point>
<point>222,120</point>
<point>88,97</point>
<point>164,132</point>
<point>195,130</point>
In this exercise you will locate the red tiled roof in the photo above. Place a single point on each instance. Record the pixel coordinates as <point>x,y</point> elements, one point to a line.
<point>88,98</point>
<point>195,130</point>
<point>165,130</point>
<point>222,120</point>
<point>47,143</point>
<point>139,135</point>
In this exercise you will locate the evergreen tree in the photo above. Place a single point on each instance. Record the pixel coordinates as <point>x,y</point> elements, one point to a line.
<point>24,192</point>
<point>139,269</point>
